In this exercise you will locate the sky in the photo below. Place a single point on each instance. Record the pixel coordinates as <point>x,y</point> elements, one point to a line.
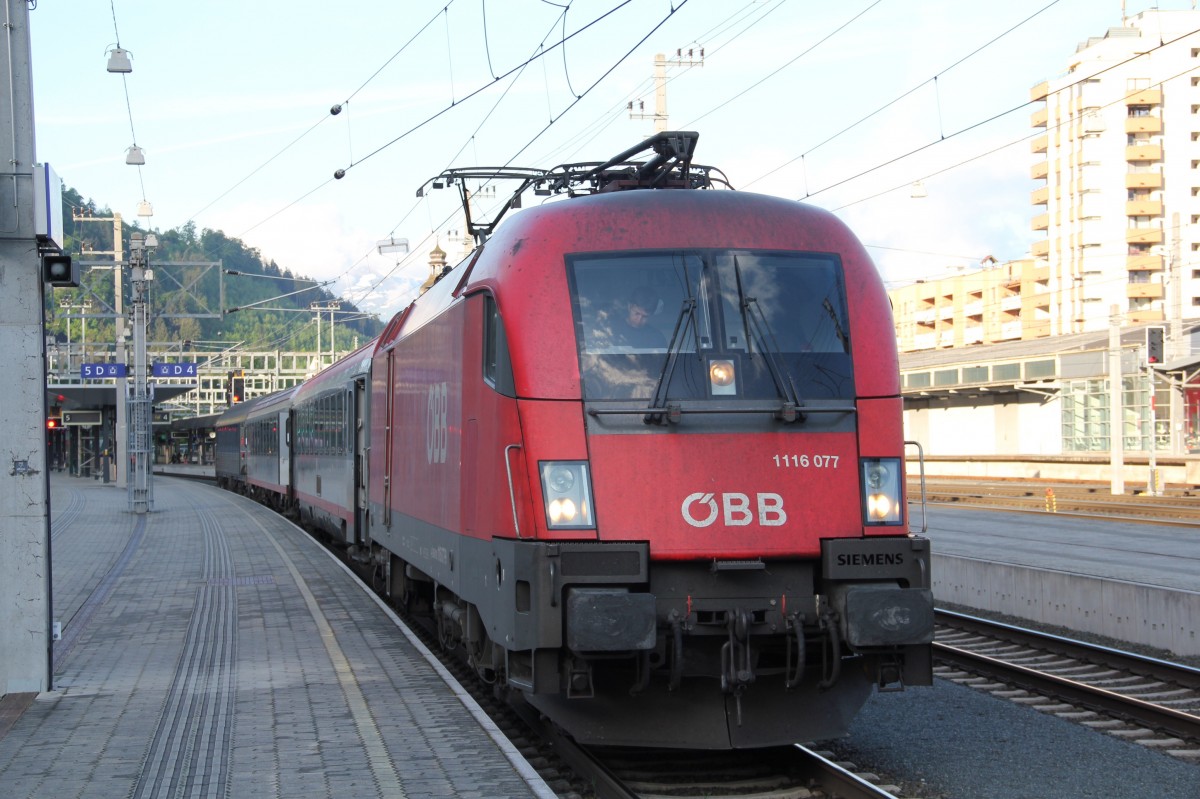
<point>840,105</point>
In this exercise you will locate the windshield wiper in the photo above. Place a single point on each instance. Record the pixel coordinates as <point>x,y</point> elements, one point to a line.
<point>837,325</point>
<point>764,337</point>
<point>686,319</point>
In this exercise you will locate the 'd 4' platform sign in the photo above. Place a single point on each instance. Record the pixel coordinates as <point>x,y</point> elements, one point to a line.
<point>174,370</point>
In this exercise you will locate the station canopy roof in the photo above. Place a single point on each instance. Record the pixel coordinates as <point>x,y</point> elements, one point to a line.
<point>103,395</point>
<point>1035,365</point>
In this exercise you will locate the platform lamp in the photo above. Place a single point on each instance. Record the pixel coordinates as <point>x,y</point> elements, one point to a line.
<point>392,245</point>
<point>118,61</point>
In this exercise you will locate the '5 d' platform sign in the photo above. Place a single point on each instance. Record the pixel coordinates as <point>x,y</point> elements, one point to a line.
<point>97,371</point>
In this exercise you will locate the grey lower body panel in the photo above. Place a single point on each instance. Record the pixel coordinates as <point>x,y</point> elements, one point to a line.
<point>698,715</point>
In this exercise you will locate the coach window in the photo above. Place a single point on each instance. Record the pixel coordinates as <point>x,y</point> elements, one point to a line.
<point>497,366</point>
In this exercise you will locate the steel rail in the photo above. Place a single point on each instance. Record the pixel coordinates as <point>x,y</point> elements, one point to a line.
<point>835,780</point>
<point>1136,711</point>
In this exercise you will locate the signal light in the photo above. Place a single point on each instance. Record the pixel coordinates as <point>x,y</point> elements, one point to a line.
<point>59,271</point>
<point>1154,345</point>
<point>237,387</point>
<point>51,423</point>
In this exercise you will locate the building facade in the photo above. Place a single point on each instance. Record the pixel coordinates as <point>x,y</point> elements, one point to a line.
<point>1014,358</point>
<point>1006,302</point>
<point>1117,172</point>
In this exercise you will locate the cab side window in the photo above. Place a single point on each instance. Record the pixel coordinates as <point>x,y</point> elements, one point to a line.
<point>497,367</point>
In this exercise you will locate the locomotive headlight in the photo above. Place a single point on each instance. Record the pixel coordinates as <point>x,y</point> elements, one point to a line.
<point>567,492</point>
<point>560,479</point>
<point>875,475</point>
<point>882,503</point>
<point>722,377</point>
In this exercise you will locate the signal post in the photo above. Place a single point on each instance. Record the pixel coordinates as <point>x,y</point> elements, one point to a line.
<point>25,612</point>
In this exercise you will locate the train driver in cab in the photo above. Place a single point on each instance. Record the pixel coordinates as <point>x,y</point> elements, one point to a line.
<point>632,329</point>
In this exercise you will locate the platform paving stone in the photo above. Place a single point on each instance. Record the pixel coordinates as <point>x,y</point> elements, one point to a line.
<point>194,664</point>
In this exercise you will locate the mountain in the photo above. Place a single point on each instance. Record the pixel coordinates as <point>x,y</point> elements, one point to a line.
<point>185,299</point>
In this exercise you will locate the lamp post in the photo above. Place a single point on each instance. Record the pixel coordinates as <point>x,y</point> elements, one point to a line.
<point>141,400</point>
<point>317,307</point>
<point>83,307</point>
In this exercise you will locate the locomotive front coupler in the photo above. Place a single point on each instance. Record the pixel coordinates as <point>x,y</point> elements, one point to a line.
<point>737,663</point>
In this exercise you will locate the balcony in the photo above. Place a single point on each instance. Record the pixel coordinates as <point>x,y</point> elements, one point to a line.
<point>1143,180</point>
<point>1040,196</point>
<point>1144,263</point>
<point>1134,317</point>
<point>1143,208</point>
<point>1144,235</point>
<point>1143,124</point>
<point>1040,91</point>
<point>1010,330</point>
<point>1036,329</point>
<point>1142,153</point>
<point>925,317</point>
<point>1012,304</point>
<point>1040,248</point>
<point>1038,118</point>
<point>1040,144</point>
<point>1041,222</point>
<point>1152,290</point>
<point>1145,97</point>
<point>925,341</point>
<point>1040,170</point>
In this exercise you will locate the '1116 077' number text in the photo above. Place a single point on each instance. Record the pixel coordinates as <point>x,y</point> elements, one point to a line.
<point>806,461</point>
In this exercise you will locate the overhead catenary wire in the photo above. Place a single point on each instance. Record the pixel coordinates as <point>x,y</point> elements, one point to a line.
<point>605,124</point>
<point>488,85</point>
<point>469,140</point>
<point>575,101</point>
<point>990,119</point>
<point>902,96</point>
<point>325,116</point>
<point>128,103</point>
<point>772,74</point>
<point>514,70</point>
<point>574,144</point>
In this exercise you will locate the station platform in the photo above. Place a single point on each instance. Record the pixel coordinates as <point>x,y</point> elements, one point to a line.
<point>1130,581</point>
<point>212,649</point>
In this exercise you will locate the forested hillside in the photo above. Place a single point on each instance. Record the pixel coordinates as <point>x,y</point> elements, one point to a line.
<point>181,290</point>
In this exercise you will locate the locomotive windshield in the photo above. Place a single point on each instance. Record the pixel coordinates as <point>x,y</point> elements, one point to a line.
<point>741,325</point>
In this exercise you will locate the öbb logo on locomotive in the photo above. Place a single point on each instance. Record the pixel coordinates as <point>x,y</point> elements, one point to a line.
<point>662,495</point>
<point>735,509</point>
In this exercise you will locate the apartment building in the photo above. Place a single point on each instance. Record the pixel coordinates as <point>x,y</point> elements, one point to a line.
<point>1117,203</point>
<point>1004,302</point>
<point>1014,357</point>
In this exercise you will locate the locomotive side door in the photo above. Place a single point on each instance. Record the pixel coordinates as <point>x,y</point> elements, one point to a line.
<point>496,494</point>
<point>285,463</point>
<point>362,450</point>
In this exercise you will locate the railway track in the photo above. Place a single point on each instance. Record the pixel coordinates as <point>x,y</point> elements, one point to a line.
<point>1172,506</point>
<point>576,772</point>
<point>795,772</point>
<point>1152,702</point>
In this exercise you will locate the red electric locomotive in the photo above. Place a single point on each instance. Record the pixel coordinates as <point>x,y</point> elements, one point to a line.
<point>641,456</point>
